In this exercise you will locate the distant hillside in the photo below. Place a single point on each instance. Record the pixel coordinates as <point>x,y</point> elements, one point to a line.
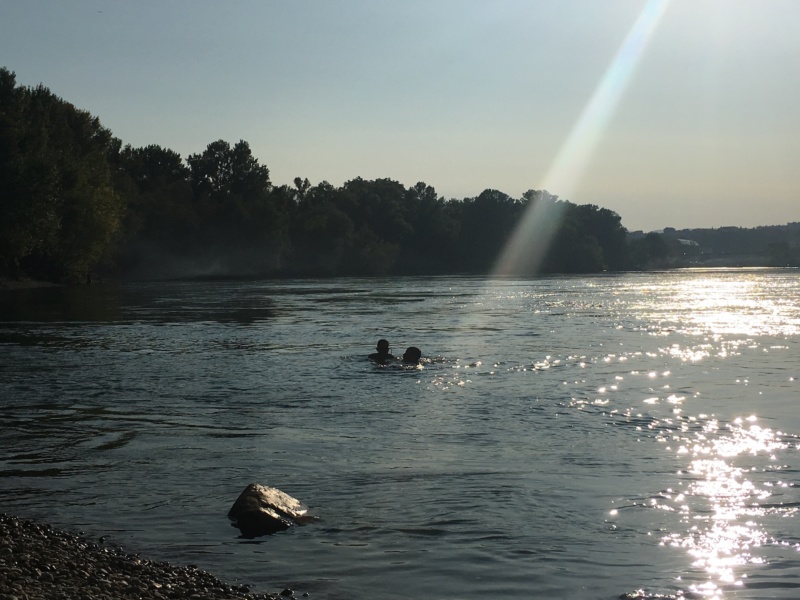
<point>768,246</point>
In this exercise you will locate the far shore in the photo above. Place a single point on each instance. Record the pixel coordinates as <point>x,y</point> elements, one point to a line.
<point>726,262</point>
<point>6,283</point>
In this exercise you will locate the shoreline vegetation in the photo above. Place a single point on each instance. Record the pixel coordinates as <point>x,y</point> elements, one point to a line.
<point>6,283</point>
<point>77,203</point>
<point>38,561</point>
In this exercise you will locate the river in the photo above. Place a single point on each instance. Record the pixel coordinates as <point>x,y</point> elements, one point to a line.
<point>566,437</point>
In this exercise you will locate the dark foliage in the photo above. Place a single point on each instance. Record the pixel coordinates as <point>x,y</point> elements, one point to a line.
<point>74,200</point>
<point>60,209</point>
<point>768,246</point>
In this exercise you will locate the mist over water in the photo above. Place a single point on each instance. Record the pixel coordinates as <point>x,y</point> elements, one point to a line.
<point>577,437</point>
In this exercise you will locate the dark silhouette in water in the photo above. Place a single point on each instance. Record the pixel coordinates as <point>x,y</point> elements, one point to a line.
<point>412,355</point>
<point>382,355</point>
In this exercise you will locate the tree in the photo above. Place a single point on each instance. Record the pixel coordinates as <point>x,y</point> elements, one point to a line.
<point>431,248</point>
<point>159,195</point>
<point>161,221</point>
<point>649,251</point>
<point>377,205</point>
<point>572,250</point>
<point>321,233</point>
<point>606,227</point>
<point>487,222</point>
<point>240,223</point>
<point>61,211</point>
<point>222,170</point>
<point>781,254</point>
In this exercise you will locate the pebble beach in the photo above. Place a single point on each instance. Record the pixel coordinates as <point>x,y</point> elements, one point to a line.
<point>38,561</point>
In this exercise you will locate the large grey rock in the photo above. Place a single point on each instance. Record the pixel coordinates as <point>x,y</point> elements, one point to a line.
<point>262,510</point>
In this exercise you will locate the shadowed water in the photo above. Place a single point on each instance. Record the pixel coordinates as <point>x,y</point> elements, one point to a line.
<point>568,438</point>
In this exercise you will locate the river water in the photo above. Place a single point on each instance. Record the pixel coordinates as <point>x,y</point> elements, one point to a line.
<point>567,437</point>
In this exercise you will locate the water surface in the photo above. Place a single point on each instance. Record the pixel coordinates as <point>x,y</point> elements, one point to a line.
<point>568,437</point>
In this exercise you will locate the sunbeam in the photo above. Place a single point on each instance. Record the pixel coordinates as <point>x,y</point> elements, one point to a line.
<point>526,248</point>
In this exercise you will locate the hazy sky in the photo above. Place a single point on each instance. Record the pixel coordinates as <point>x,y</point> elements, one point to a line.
<point>695,120</point>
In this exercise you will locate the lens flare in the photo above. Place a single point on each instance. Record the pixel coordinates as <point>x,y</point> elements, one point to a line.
<point>529,242</point>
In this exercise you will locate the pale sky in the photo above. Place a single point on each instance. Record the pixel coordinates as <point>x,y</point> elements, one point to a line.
<point>702,130</point>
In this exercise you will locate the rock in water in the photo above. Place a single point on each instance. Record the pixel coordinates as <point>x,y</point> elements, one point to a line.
<point>262,510</point>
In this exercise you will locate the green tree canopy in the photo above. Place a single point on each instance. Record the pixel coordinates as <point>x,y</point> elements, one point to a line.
<point>60,209</point>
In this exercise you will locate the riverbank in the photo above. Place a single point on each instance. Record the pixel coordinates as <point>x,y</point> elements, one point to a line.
<point>6,283</point>
<point>38,562</point>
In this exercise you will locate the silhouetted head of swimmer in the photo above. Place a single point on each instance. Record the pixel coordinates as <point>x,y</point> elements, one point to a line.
<point>412,355</point>
<point>382,353</point>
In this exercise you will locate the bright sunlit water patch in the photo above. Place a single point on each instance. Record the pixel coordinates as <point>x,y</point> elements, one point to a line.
<point>723,304</point>
<point>721,503</point>
<point>732,472</point>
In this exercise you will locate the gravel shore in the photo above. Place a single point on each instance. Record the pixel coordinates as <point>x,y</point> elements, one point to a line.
<point>38,562</point>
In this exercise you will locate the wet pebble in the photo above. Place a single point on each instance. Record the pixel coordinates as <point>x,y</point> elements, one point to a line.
<point>40,562</point>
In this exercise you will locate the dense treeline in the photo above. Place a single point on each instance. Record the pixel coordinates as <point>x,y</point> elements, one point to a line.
<point>60,209</point>
<point>75,200</point>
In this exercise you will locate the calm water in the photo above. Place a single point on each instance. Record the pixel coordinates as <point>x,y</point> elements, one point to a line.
<point>570,437</point>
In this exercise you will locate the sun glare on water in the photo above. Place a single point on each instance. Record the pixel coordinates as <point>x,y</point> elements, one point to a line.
<point>732,480</point>
<point>721,504</point>
<point>718,305</point>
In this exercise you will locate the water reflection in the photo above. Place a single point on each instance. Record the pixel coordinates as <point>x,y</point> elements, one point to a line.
<point>547,406</point>
<point>722,303</point>
<point>176,302</point>
<point>731,490</point>
<point>723,497</point>
<point>721,500</point>
<point>60,304</point>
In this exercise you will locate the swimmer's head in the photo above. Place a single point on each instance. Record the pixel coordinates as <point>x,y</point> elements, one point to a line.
<point>412,355</point>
